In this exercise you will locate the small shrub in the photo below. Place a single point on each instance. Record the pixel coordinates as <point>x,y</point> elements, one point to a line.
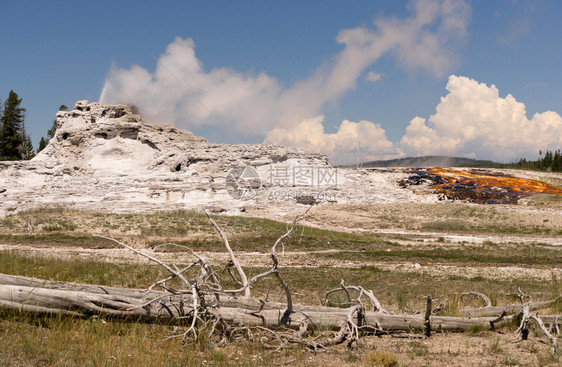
<point>418,349</point>
<point>52,228</point>
<point>548,358</point>
<point>381,359</point>
<point>453,306</point>
<point>403,301</point>
<point>353,357</point>
<point>475,329</point>
<point>511,361</point>
<point>494,346</point>
<point>493,299</point>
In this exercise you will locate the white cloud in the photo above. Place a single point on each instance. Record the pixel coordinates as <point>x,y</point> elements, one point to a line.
<point>373,77</point>
<point>363,140</point>
<point>474,121</point>
<point>255,103</point>
<point>471,120</point>
<point>239,98</point>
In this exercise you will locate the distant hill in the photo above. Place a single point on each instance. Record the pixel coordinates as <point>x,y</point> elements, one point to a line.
<point>433,161</point>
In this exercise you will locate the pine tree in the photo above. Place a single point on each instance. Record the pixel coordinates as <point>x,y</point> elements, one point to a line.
<point>26,147</point>
<point>27,151</point>
<point>11,138</point>
<point>557,161</point>
<point>42,144</point>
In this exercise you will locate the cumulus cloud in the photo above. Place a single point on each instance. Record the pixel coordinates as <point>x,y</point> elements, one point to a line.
<point>182,91</point>
<point>352,141</point>
<point>473,120</point>
<point>242,99</point>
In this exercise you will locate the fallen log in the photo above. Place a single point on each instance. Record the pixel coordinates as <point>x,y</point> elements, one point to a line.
<point>250,304</point>
<point>509,309</point>
<point>82,300</point>
<point>6,279</point>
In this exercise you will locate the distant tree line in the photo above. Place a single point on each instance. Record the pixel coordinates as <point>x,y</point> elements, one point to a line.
<point>552,161</point>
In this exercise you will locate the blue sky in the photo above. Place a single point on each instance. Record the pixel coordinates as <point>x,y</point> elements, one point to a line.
<point>58,52</point>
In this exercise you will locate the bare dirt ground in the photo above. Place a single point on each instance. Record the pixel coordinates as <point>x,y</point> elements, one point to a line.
<point>477,349</point>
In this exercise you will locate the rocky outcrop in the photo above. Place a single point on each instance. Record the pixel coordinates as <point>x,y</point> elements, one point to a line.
<point>94,138</point>
<point>107,157</point>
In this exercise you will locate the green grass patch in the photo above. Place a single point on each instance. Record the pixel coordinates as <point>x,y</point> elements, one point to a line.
<point>188,228</point>
<point>523,254</point>
<point>57,239</point>
<point>81,271</point>
<point>461,218</point>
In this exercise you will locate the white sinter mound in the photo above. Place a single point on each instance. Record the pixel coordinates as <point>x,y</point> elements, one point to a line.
<point>106,157</point>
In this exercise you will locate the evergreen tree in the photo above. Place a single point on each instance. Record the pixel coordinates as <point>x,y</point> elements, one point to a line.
<point>551,161</point>
<point>51,132</point>
<point>27,151</point>
<point>11,137</point>
<point>26,147</point>
<point>557,161</point>
<point>42,144</point>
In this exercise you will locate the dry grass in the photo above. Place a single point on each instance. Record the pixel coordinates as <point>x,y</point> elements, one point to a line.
<point>182,227</point>
<point>444,217</point>
<point>29,340</point>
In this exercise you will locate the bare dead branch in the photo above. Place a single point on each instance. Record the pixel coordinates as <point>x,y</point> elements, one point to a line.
<point>233,258</point>
<point>521,296</point>
<point>184,281</point>
<point>427,322</point>
<point>500,317</point>
<point>376,305</point>
<point>523,331</point>
<point>545,331</point>
<point>290,230</point>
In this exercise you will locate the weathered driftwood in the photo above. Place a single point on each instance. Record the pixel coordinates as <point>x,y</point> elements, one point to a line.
<point>427,317</point>
<point>85,300</point>
<point>546,332</point>
<point>509,309</point>
<point>6,279</point>
<point>82,300</point>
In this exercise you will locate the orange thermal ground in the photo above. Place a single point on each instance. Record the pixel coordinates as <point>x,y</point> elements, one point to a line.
<point>486,186</point>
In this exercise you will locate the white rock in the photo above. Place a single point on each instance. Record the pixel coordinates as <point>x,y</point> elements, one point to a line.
<point>107,157</point>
